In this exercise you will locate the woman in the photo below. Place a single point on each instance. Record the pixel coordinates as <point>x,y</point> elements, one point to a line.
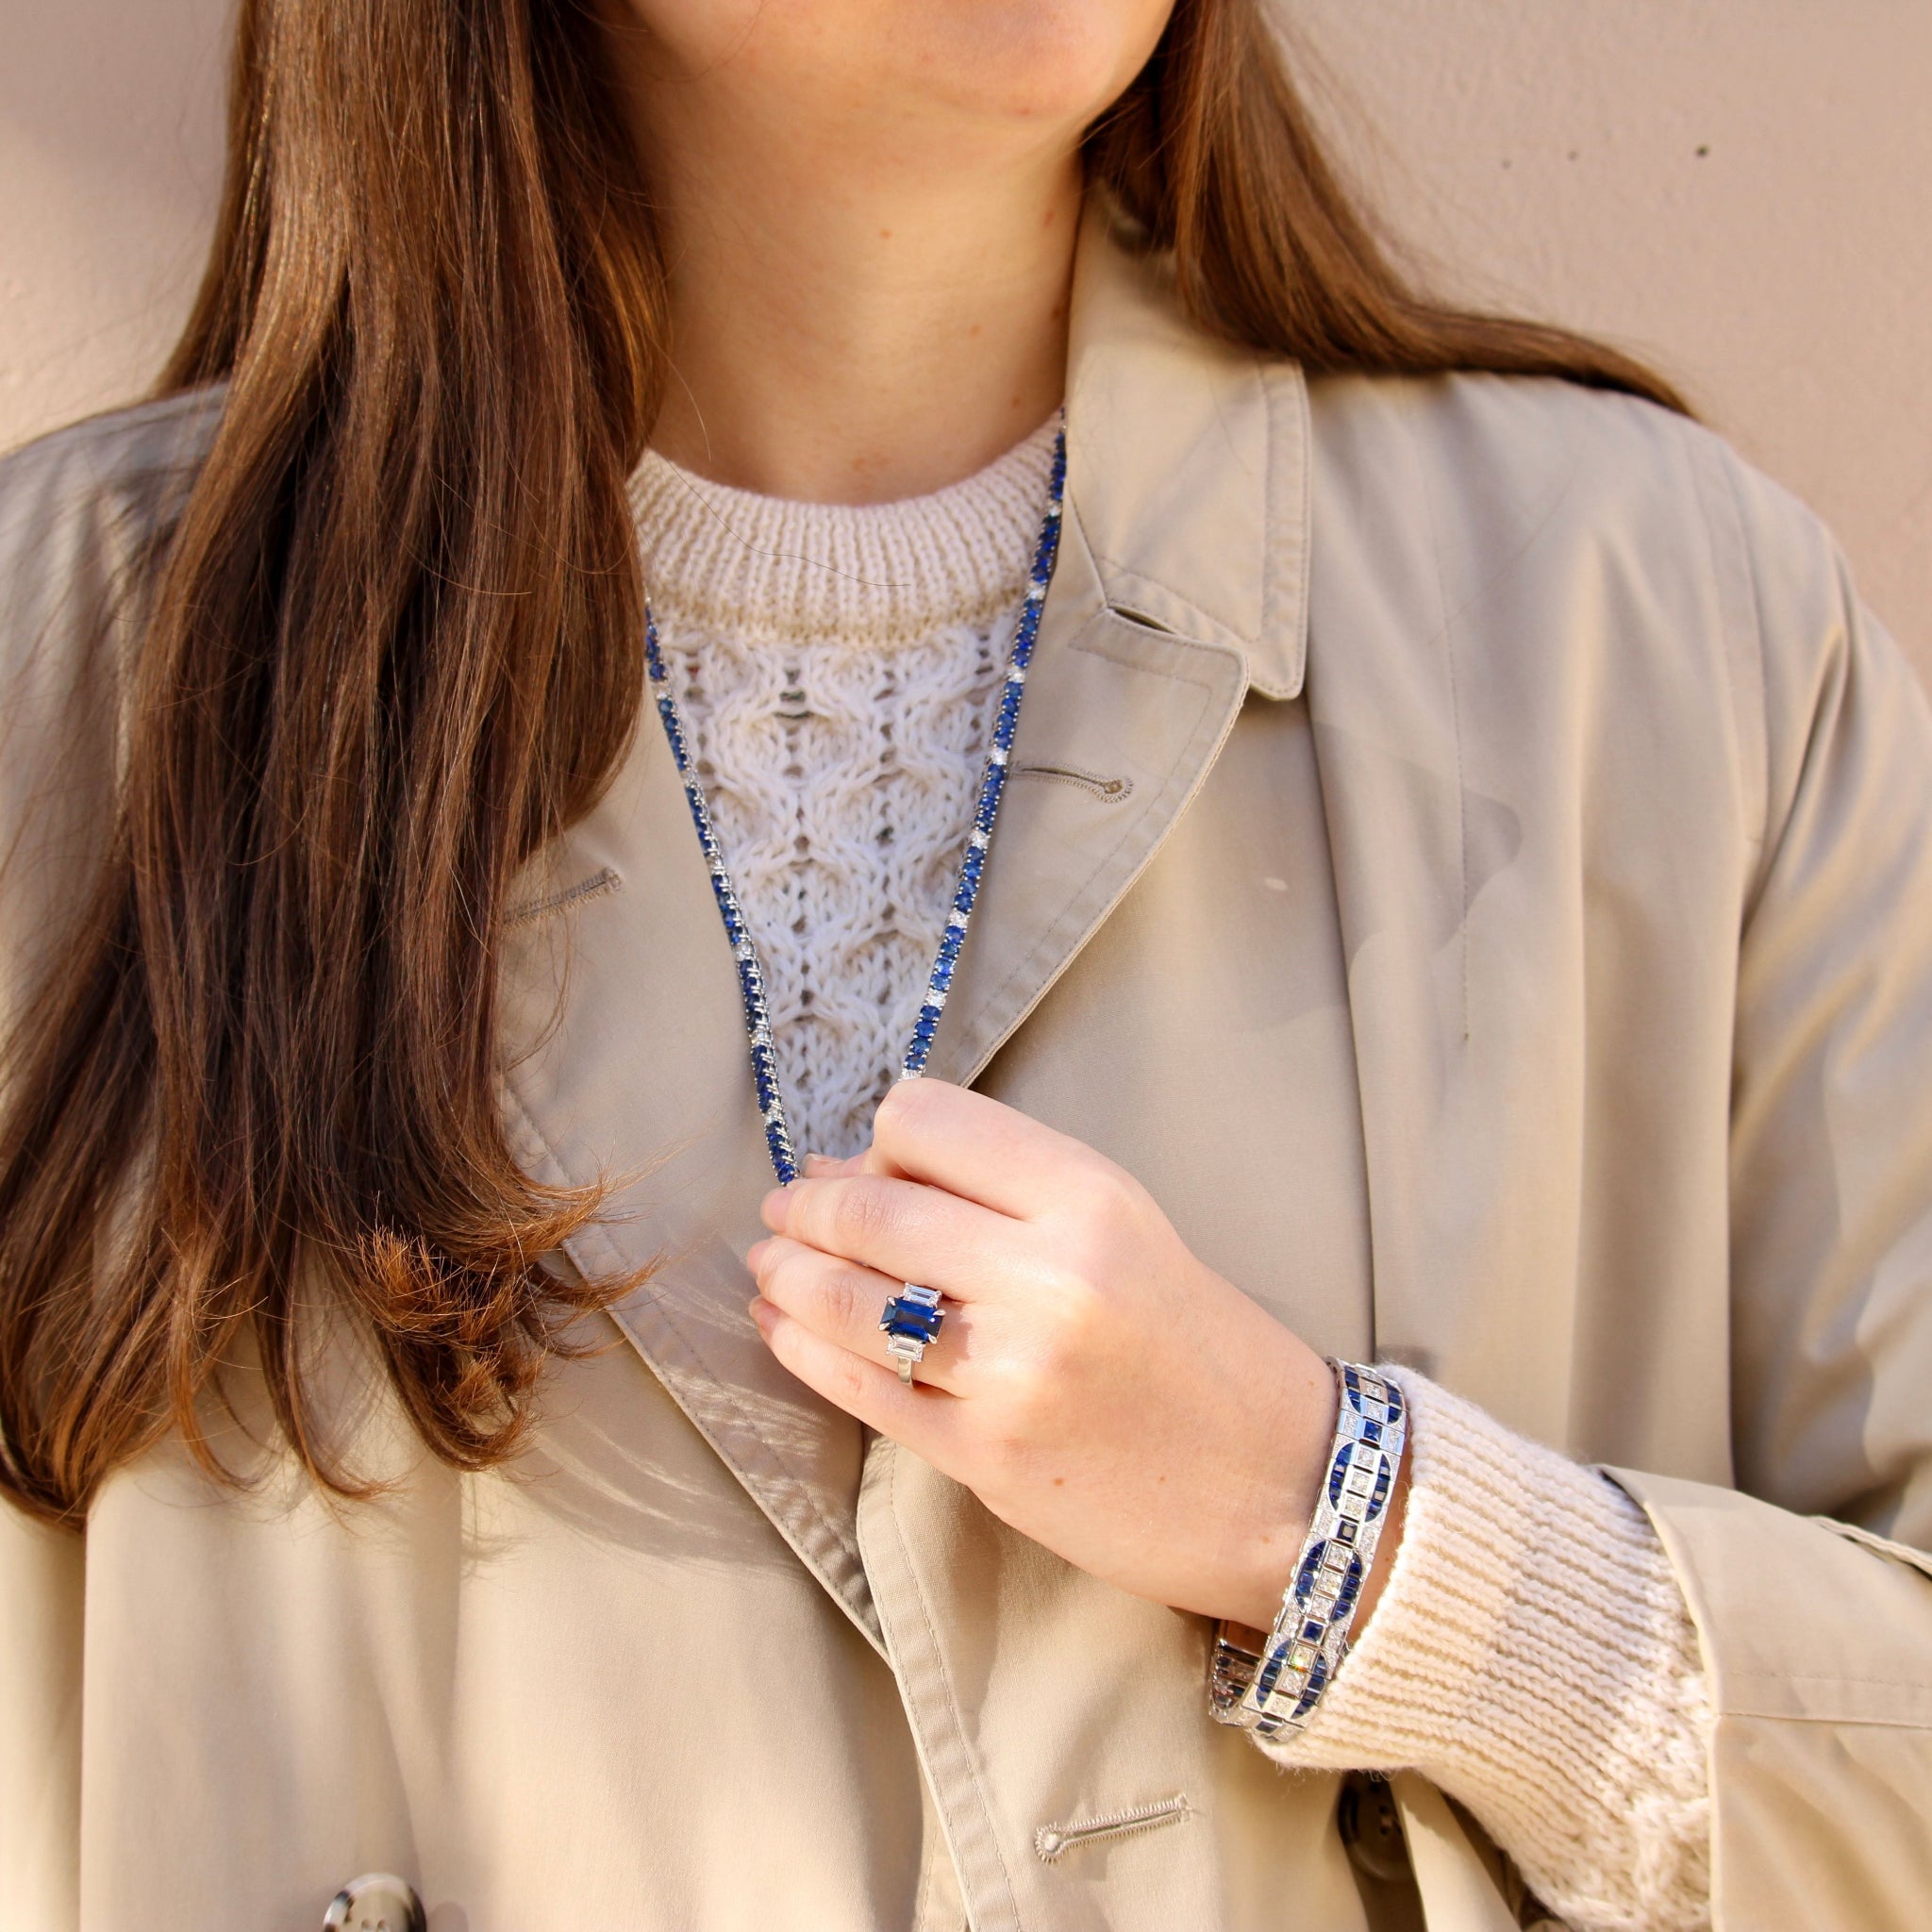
<point>1463,854</point>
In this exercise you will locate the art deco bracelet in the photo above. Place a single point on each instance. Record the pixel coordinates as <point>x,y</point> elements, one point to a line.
<point>1279,1688</point>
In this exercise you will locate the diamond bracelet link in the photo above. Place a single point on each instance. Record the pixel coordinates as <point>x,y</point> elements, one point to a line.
<point>1279,1687</point>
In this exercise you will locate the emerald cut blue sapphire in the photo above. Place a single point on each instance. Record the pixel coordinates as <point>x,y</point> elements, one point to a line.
<point>911,1320</point>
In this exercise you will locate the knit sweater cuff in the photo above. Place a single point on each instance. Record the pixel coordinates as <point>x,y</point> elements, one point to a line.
<point>1533,1656</point>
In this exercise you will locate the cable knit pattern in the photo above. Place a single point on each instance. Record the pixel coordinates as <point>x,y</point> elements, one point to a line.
<point>836,667</point>
<point>1533,1656</point>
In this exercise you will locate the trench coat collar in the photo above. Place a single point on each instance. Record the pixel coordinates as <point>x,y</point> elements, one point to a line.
<point>1187,467</point>
<point>1180,586</point>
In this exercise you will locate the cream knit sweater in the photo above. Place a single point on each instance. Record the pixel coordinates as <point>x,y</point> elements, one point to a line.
<point>836,667</point>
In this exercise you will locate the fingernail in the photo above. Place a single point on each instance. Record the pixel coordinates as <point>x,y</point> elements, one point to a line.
<point>773,1207</point>
<point>763,1314</point>
<point>818,1163</point>
<point>754,1254</point>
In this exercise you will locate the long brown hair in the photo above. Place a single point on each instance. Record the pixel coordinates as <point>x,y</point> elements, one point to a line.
<point>392,645</point>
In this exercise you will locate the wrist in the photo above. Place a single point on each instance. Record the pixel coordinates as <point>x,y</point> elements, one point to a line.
<point>1286,1485</point>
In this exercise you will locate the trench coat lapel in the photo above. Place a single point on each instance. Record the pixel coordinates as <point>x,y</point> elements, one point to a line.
<point>1141,710</point>
<point>1179,584</point>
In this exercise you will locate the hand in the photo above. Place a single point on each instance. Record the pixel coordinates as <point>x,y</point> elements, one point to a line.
<point>1096,1386</point>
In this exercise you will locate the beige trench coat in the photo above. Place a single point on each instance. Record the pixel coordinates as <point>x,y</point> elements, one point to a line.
<point>1630,812</point>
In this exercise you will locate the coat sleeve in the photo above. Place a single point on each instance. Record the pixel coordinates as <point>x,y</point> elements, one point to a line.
<point>1808,1585</point>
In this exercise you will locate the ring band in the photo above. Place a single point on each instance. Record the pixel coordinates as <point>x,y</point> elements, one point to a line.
<point>911,1322</point>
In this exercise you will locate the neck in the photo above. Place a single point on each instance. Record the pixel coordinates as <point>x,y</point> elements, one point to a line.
<point>858,329</point>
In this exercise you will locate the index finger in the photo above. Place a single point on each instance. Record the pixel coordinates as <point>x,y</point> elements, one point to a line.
<point>905,1230</point>
<point>975,1146</point>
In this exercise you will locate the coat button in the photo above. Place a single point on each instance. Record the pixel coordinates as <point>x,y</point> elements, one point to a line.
<point>375,1903</point>
<point>1371,1826</point>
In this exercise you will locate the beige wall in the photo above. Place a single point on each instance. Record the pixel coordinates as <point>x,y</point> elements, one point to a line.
<point>1739,190</point>
<point>1742,190</point>
<point>109,165</point>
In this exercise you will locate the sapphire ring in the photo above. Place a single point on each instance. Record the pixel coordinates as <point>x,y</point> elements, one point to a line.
<point>911,1323</point>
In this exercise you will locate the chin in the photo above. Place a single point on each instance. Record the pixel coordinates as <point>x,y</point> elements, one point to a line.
<point>1050,62</point>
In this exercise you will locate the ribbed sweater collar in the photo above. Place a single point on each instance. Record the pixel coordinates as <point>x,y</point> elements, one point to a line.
<point>766,567</point>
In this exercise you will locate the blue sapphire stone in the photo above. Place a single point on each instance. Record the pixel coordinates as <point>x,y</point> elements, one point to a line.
<point>1311,1691</point>
<point>1304,1577</point>
<point>911,1321</point>
<point>1271,1674</point>
<point>1351,1589</point>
